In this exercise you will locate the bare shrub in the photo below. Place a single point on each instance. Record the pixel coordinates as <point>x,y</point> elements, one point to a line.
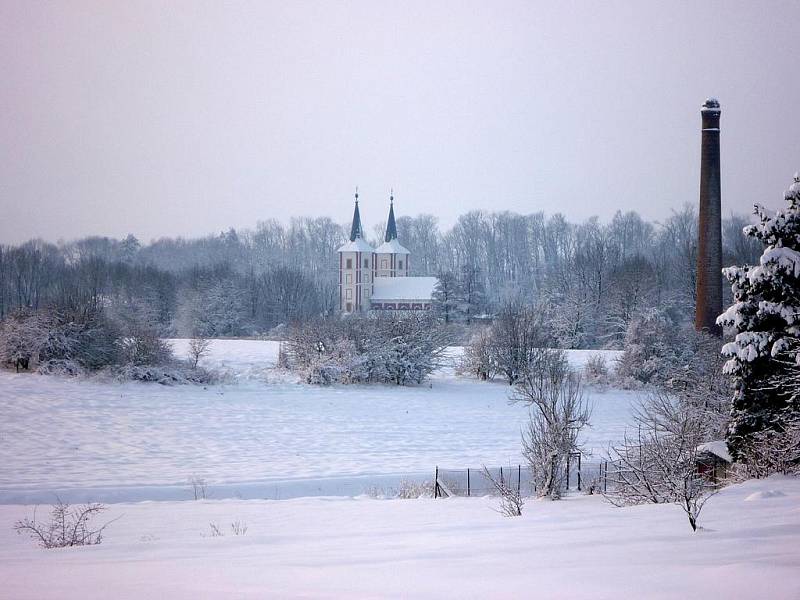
<point>239,528</point>
<point>377,492</point>
<point>479,358</point>
<point>198,348</point>
<point>199,488</point>
<point>68,526</point>
<point>409,490</point>
<point>771,451</point>
<point>558,413</point>
<point>511,501</point>
<point>596,370</point>
<point>518,337</point>
<point>658,463</point>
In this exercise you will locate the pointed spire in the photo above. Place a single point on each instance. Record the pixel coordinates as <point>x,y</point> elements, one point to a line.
<point>391,226</point>
<point>356,231</point>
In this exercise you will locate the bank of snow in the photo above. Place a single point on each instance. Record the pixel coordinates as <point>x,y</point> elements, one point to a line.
<point>456,548</point>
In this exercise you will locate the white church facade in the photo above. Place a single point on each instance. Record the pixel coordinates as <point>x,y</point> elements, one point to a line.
<point>377,278</point>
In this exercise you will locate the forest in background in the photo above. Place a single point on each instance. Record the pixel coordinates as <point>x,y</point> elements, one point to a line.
<point>592,278</point>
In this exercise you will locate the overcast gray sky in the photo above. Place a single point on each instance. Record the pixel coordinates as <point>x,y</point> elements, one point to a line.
<point>184,118</point>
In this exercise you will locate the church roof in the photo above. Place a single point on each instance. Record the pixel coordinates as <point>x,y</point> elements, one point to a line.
<point>356,245</point>
<point>356,230</point>
<point>403,288</point>
<point>391,225</point>
<point>392,247</point>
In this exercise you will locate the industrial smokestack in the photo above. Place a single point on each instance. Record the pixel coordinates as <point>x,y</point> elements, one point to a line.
<point>709,247</point>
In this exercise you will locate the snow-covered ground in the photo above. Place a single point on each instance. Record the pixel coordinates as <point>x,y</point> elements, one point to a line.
<point>260,436</point>
<point>264,436</point>
<point>456,548</point>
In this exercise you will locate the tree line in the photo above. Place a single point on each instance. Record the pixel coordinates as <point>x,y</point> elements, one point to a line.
<point>594,276</point>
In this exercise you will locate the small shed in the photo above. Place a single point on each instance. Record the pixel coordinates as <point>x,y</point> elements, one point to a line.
<point>714,460</point>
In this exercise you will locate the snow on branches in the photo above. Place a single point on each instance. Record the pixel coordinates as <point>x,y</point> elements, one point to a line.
<point>765,317</point>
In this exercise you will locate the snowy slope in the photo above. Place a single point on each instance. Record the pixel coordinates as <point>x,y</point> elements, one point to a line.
<point>254,438</point>
<point>457,548</point>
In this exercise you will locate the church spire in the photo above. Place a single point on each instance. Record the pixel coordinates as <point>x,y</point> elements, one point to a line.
<point>356,231</point>
<point>391,226</point>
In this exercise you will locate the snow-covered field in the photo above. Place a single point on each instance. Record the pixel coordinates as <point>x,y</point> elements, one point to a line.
<point>260,436</point>
<point>456,548</point>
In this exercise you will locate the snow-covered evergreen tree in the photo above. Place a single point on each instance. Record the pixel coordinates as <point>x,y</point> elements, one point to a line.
<point>445,296</point>
<point>766,317</point>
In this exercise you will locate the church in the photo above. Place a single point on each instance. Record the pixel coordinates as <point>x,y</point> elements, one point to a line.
<point>377,278</point>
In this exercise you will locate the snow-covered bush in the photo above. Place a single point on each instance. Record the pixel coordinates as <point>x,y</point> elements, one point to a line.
<point>123,344</point>
<point>389,348</point>
<point>479,356</point>
<point>765,315</point>
<point>64,367</point>
<point>510,344</point>
<point>23,334</point>
<point>171,373</point>
<point>57,342</point>
<point>595,371</point>
<point>653,342</point>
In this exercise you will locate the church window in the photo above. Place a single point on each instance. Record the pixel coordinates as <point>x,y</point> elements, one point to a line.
<point>349,264</point>
<point>366,263</point>
<point>401,264</point>
<point>384,264</point>
<point>349,307</point>
<point>348,294</point>
<point>348,278</point>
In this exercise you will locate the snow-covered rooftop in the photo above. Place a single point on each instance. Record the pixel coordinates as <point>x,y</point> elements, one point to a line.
<point>718,448</point>
<point>357,245</point>
<point>392,247</point>
<point>403,288</point>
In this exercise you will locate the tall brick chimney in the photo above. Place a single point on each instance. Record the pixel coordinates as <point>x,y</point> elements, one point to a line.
<point>709,247</point>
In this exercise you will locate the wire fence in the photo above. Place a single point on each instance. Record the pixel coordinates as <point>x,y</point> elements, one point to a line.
<point>579,475</point>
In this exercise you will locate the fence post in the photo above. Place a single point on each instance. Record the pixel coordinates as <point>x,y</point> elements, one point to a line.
<point>436,483</point>
<point>501,475</point>
<point>605,476</point>
<point>468,491</point>
<point>519,478</point>
<point>579,472</point>
<point>569,459</point>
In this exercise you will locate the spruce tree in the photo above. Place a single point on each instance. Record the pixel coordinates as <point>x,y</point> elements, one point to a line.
<point>766,318</point>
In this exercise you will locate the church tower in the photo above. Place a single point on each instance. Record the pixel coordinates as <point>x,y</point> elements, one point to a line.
<point>391,258</point>
<point>356,264</point>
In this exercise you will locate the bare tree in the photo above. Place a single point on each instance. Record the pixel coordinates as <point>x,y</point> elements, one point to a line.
<point>658,464</point>
<point>198,348</point>
<point>558,413</point>
<point>516,339</point>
